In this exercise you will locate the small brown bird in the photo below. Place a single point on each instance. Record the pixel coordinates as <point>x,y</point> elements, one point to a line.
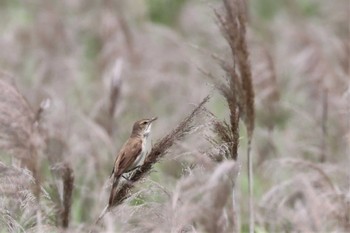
<point>132,154</point>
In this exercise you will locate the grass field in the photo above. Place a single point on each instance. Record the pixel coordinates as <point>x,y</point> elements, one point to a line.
<point>75,75</point>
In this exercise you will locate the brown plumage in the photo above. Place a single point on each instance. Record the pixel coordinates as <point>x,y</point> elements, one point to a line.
<point>132,154</point>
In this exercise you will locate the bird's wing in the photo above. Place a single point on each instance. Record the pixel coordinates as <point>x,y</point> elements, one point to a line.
<point>127,156</point>
<point>131,150</point>
<point>116,159</point>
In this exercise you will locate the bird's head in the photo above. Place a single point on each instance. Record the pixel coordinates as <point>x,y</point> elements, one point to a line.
<point>143,127</point>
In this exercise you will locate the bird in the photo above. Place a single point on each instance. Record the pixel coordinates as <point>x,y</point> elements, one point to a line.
<point>132,154</point>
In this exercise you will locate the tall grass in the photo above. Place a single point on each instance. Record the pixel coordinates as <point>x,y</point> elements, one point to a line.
<point>75,75</point>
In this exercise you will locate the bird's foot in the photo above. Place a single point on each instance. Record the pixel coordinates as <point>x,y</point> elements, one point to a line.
<point>126,178</point>
<point>135,168</point>
<point>131,173</point>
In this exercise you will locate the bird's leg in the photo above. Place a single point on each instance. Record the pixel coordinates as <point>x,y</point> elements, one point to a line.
<point>125,178</point>
<point>131,172</point>
<point>135,168</point>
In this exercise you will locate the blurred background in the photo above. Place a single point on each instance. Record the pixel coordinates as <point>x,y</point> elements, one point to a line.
<point>104,64</point>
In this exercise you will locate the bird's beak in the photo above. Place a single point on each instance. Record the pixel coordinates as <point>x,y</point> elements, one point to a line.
<point>153,119</point>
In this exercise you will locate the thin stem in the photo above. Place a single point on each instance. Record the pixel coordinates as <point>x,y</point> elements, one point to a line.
<point>250,183</point>
<point>324,126</point>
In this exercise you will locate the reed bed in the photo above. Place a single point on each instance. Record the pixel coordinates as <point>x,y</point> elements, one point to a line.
<point>253,107</point>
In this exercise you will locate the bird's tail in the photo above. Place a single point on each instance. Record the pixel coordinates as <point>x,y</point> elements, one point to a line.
<point>111,198</point>
<point>113,191</point>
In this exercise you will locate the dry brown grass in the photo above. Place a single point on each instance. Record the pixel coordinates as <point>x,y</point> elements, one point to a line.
<point>24,139</point>
<point>239,92</point>
<point>104,65</point>
<point>19,133</point>
<point>312,199</point>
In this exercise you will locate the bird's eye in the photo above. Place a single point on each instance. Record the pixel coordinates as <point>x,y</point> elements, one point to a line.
<point>143,123</point>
